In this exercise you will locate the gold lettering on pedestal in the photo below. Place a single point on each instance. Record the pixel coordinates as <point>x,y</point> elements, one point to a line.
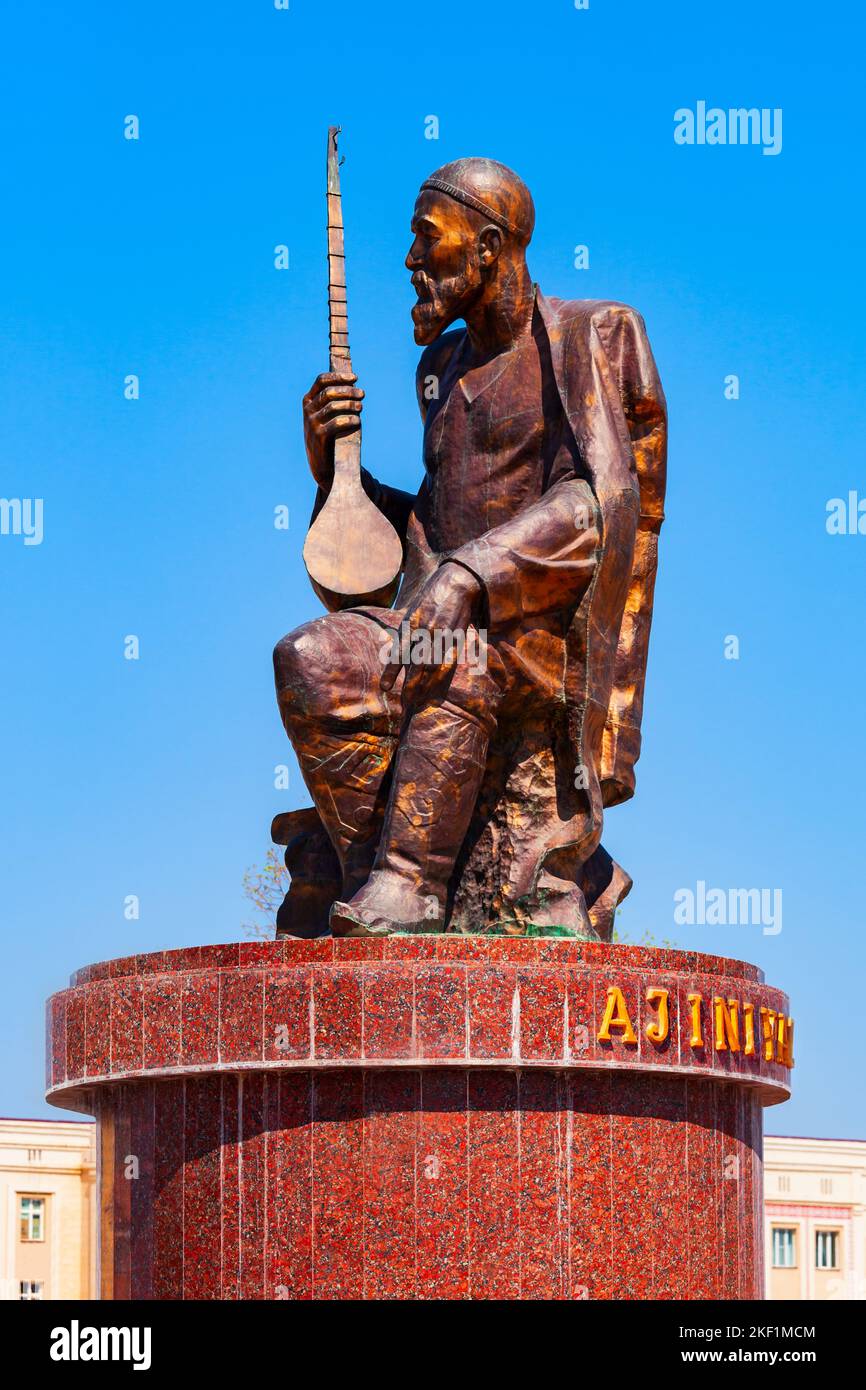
<point>768,1032</point>
<point>727,1024</point>
<point>657,1032</point>
<point>749,1027</point>
<point>785,1040</point>
<point>616,1016</point>
<point>697,1038</point>
<point>775,1039</point>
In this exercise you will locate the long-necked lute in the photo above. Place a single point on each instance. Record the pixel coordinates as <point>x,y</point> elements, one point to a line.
<point>352,552</point>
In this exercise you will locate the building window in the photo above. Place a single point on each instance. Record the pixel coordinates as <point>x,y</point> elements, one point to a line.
<point>30,1290</point>
<point>784,1248</point>
<point>32,1215</point>
<point>826,1249</point>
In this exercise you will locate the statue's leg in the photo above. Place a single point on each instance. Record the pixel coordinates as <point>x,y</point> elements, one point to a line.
<point>345,776</point>
<point>437,774</point>
<point>343,729</point>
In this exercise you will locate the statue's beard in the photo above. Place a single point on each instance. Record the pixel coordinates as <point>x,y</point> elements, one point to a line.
<point>440,302</point>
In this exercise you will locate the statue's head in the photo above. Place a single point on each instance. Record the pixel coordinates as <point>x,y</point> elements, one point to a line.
<point>472,222</point>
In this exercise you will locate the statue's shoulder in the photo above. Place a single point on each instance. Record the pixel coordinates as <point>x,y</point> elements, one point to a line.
<point>585,315</point>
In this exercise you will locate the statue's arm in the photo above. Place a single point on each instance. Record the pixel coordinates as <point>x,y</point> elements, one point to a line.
<point>332,407</point>
<point>393,502</point>
<point>537,562</point>
<point>541,560</point>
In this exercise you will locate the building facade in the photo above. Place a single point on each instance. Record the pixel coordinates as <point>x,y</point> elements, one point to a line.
<point>815,1217</point>
<point>47,1216</point>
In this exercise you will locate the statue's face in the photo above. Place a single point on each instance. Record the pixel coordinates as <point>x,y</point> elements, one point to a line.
<point>445,262</point>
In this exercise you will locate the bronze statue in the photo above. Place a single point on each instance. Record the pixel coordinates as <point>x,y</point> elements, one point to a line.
<point>461,745</point>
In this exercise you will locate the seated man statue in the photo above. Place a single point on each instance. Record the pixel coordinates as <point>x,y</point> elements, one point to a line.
<point>465,791</point>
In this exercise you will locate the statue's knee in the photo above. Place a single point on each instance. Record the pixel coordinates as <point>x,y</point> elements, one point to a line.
<point>302,663</point>
<point>292,668</point>
<point>286,660</point>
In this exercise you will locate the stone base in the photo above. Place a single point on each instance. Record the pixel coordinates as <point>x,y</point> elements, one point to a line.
<point>428,1117</point>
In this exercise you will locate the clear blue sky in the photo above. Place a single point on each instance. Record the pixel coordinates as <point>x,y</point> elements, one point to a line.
<point>156,258</point>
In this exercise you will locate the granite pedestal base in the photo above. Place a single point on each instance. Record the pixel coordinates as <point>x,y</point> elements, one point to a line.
<point>425,1118</point>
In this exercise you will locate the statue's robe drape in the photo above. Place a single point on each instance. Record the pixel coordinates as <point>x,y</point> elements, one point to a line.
<point>614,402</point>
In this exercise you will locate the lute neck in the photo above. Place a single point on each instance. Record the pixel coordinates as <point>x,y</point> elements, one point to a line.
<point>338,322</point>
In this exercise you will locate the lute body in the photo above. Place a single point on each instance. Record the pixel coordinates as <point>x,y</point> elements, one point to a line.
<point>352,553</point>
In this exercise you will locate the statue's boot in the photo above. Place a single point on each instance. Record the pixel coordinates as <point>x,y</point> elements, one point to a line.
<point>316,877</point>
<point>437,776</point>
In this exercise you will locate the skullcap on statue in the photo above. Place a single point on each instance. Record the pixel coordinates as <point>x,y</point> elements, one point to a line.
<point>490,188</point>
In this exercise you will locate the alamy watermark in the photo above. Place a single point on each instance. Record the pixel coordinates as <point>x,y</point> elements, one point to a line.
<point>846,516</point>
<point>77,1343</point>
<point>22,516</point>
<point>729,907</point>
<point>738,125</point>
<point>434,646</point>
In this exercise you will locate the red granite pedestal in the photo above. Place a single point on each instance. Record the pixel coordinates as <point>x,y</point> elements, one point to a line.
<point>425,1118</point>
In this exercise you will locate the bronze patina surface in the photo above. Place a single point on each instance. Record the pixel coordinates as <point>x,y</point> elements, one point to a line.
<point>460,747</point>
